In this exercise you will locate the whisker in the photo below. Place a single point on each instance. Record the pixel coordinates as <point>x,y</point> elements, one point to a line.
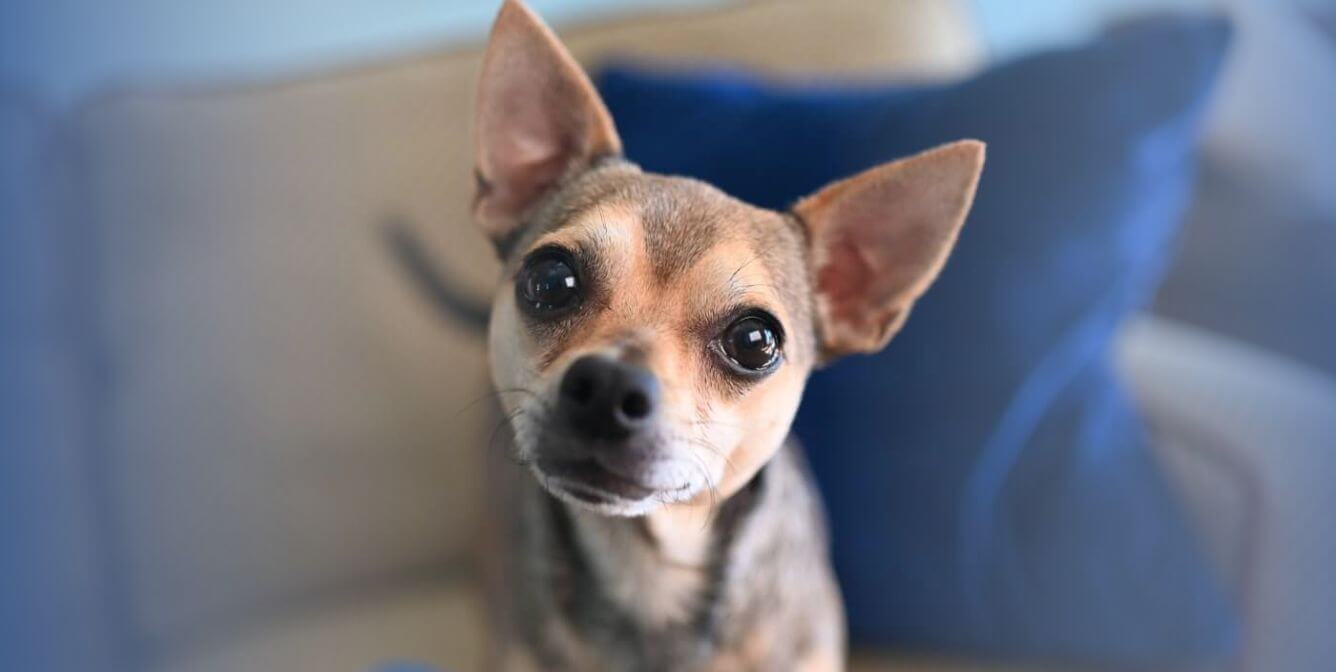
<point>743,288</point>
<point>749,262</point>
<point>714,423</point>
<point>501,424</point>
<point>714,449</point>
<point>710,513</point>
<point>495,394</point>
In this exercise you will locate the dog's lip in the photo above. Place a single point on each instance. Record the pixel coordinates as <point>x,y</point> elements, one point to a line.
<point>588,479</point>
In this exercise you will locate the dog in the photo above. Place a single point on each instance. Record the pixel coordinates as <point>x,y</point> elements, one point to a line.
<point>650,344</point>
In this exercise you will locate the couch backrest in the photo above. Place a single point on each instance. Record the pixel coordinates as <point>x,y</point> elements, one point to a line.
<point>285,414</point>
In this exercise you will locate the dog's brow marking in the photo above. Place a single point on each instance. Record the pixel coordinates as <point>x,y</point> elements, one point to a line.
<point>681,220</point>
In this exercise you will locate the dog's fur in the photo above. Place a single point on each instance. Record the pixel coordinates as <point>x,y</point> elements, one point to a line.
<point>698,544</point>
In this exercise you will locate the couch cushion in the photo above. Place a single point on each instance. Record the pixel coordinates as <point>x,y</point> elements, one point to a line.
<point>284,412</point>
<point>990,487</point>
<point>1273,421</point>
<point>430,626</point>
<point>419,628</point>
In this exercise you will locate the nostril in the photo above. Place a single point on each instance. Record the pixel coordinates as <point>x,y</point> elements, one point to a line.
<point>635,405</point>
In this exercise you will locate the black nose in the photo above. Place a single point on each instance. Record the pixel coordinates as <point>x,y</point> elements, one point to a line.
<point>604,398</point>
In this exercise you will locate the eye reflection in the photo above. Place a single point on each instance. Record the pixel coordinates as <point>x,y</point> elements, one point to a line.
<point>548,283</point>
<point>751,343</point>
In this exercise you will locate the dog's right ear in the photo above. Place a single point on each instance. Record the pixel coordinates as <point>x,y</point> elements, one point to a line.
<point>538,119</point>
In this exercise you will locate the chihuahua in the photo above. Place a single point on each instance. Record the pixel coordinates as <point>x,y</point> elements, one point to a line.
<point>650,347</point>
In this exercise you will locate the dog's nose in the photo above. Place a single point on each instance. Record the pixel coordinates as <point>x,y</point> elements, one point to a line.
<point>604,398</point>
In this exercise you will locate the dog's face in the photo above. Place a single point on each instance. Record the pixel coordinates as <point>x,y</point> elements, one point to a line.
<point>657,335</point>
<point>652,337</point>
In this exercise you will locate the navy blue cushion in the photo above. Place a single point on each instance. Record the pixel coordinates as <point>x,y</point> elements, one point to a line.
<point>989,483</point>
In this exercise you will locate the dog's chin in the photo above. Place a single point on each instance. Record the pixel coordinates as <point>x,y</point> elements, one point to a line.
<point>587,484</point>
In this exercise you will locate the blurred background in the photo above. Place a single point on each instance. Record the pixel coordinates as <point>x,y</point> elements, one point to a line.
<point>238,436</point>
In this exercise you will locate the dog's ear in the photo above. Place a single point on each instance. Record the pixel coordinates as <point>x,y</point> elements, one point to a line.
<point>879,239</point>
<point>538,117</point>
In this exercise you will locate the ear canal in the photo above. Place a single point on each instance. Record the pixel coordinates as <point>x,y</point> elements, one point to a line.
<point>879,239</point>
<point>538,118</point>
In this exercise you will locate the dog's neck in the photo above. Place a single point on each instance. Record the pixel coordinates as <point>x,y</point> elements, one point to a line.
<point>682,533</point>
<point>659,568</point>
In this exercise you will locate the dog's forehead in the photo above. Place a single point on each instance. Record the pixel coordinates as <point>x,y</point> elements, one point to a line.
<point>683,220</point>
<point>679,220</point>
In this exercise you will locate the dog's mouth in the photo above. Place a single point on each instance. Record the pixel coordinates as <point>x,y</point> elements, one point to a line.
<point>590,482</point>
<point>626,477</point>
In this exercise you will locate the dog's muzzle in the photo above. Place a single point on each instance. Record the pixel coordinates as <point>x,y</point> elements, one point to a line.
<point>604,441</point>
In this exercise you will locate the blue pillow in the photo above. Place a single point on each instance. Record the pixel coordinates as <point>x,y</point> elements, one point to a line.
<point>990,486</point>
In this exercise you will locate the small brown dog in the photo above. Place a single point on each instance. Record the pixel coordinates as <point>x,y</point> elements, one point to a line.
<point>651,347</point>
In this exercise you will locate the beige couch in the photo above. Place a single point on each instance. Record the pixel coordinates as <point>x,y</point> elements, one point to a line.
<point>290,441</point>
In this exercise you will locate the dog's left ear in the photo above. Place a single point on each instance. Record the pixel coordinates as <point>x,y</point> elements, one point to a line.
<point>538,118</point>
<point>878,240</point>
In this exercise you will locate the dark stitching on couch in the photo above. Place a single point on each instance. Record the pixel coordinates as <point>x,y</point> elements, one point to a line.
<point>451,302</point>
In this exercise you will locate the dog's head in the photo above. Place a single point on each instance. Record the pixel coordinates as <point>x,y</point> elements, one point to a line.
<point>653,335</point>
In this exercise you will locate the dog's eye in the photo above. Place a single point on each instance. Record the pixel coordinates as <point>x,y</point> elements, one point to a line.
<point>548,282</point>
<point>751,343</point>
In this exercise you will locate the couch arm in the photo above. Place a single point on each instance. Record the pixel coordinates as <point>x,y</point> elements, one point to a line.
<point>1248,438</point>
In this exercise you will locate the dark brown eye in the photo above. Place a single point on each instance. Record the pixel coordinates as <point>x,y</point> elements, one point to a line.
<point>751,343</point>
<point>548,283</point>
